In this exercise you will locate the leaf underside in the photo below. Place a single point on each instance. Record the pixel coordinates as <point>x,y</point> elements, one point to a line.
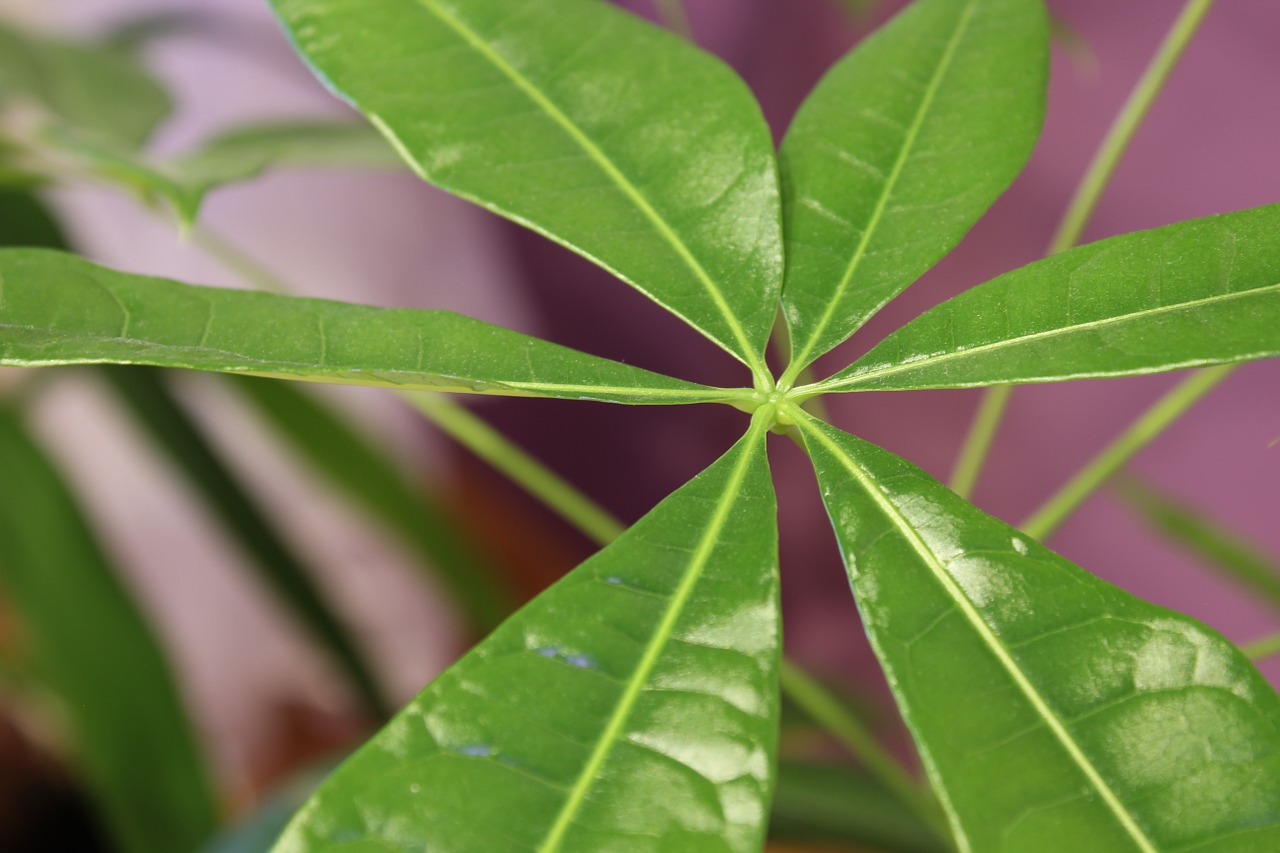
<point>1196,293</point>
<point>584,123</point>
<point>58,309</point>
<point>633,705</point>
<point>1054,711</point>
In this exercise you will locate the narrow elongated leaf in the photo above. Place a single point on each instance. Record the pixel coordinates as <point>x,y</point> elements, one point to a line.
<point>1226,551</point>
<point>334,448</point>
<point>583,122</point>
<point>96,88</point>
<point>237,155</point>
<point>632,706</point>
<point>1053,711</point>
<point>1196,293</point>
<point>132,738</point>
<point>58,309</point>
<point>150,402</point>
<point>900,149</point>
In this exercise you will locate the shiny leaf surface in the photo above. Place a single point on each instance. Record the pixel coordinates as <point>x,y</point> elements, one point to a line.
<point>1201,292</point>
<point>1053,711</point>
<point>133,742</point>
<point>632,706</point>
<point>58,309</point>
<point>583,122</point>
<point>898,151</point>
<point>96,88</point>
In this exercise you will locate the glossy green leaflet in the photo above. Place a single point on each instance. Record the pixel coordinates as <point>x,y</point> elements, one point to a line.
<point>633,705</point>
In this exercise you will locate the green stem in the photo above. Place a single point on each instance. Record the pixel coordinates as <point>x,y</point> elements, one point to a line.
<point>810,696</point>
<point>236,260</point>
<point>1126,124</point>
<point>530,474</point>
<point>674,16</point>
<point>978,442</point>
<point>1268,646</point>
<point>1085,200</point>
<point>1044,521</point>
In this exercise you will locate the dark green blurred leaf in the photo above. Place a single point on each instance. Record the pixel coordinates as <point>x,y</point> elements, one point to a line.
<point>337,450</point>
<point>93,88</point>
<point>632,706</point>
<point>143,390</point>
<point>25,221</point>
<point>56,308</point>
<point>132,738</point>
<point>829,802</point>
<point>1054,712</point>
<point>1221,548</point>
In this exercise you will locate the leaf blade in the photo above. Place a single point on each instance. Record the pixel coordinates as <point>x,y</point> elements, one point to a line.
<point>651,668</point>
<point>135,743</point>
<point>58,309</point>
<point>1192,294</point>
<point>233,156</point>
<point>1040,682</point>
<point>584,123</point>
<point>891,160</point>
<point>94,87</point>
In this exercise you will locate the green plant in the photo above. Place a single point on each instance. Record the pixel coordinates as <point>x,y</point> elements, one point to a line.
<point>634,705</point>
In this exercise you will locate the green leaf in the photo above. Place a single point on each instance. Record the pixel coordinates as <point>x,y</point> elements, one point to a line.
<point>1223,549</point>
<point>898,151</point>
<point>133,742</point>
<point>1196,293</point>
<point>25,221</point>
<point>584,123</point>
<point>94,88</point>
<point>237,155</point>
<point>58,309</point>
<point>1053,711</point>
<point>837,803</point>
<point>143,391</point>
<point>350,461</point>
<point>632,706</point>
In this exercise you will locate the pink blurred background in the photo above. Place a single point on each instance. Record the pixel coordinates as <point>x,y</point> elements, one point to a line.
<point>1208,146</point>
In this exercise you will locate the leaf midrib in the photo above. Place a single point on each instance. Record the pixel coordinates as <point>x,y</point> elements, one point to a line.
<point>933,360</point>
<point>635,685</point>
<point>801,360</point>
<point>987,636</point>
<point>747,354</point>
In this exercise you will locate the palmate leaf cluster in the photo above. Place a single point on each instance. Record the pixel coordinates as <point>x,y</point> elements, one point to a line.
<point>634,705</point>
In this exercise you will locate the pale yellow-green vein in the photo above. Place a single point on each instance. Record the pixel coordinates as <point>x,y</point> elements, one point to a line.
<point>745,350</point>
<point>985,634</point>
<point>802,358</point>
<point>662,634</point>
<point>931,361</point>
